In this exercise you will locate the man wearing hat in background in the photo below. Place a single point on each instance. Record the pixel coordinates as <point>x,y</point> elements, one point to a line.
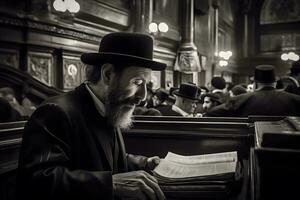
<point>186,101</point>
<point>291,83</point>
<point>295,71</point>
<point>237,90</point>
<point>72,145</point>
<point>265,100</point>
<point>218,85</point>
<point>210,101</point>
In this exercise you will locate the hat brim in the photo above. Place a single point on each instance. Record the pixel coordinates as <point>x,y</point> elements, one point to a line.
<point>184,96</point>
<point>101,58</point>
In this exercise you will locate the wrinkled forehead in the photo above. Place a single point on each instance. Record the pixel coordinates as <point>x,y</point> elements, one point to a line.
<point>137,72</point>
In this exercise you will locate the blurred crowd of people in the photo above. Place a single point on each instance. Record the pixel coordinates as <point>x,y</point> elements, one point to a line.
<point>266,94</point>
<point>11,109</point>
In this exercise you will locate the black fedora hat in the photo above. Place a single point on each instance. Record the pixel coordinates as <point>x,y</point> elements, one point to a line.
<point>189,91</point>
<point>265,74</point>
<point>124,48</point>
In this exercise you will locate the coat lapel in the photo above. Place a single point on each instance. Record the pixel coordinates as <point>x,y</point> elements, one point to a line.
<point>101,131</point>
<point>103,138</point>
<point>122,153</point>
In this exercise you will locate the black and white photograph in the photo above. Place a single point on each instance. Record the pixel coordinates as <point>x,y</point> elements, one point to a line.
<point>149,99</point>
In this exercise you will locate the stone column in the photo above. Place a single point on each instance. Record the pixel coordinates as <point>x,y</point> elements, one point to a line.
<point>187,59</point>
<point>143,15</point>
<point>215,5</point>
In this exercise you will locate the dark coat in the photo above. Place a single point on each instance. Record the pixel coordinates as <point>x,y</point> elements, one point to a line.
<point>267,101</point>
<point>68,151</point>
<point>166,110</point>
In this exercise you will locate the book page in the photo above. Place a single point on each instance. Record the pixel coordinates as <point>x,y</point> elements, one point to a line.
<point>206,158</point>
<point>177,166</point>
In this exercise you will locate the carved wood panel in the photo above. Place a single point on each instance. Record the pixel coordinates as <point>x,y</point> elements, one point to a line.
<point>169,81</point>
<point>280,11</point>
<point>40,66</point>
<point>9,57</point>
<point>73,70</point>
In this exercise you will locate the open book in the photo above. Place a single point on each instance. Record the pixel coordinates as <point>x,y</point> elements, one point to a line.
<point>180,168</point>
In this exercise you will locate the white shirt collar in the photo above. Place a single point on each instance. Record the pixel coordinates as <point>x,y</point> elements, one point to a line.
<point>179,110</point>
<point>98,103</point>
<point>217,90</point>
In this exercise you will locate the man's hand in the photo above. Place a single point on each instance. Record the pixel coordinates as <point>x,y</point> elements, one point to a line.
<point>137,185</point>
<point>152,162</point>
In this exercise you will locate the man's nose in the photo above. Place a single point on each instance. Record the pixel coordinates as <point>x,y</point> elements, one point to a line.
<point>141,93</point>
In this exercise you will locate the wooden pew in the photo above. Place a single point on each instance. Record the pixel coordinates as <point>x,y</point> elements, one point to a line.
<point>149,138</point>
<point>10,143</point>
<point>192,137</point>
<point>197,119</point>
<point>275,164</point>
<point>188,137</point>
<point>274,173</point>
<point>259,118</point>
<point>15,124</point>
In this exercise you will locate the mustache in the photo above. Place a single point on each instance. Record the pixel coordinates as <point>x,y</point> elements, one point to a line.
<point>132,101</point>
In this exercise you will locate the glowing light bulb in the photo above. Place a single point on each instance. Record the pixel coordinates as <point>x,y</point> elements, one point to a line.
<point>284,57</point>
<point>223,63</point>
<point>59,5</point>
<point>163,27</point>
<point>226,55</point>
<point>294,57</point>
<point>153,27</point>
<point>222,54</point>
<point>72,6</point>
<point>229,53</point>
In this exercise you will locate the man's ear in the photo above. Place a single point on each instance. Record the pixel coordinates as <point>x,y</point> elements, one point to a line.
<point>107,73</point>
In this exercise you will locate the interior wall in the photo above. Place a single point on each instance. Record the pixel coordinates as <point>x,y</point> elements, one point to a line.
<point>47,44</point>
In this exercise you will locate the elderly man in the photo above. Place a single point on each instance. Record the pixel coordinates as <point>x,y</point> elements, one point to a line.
<point>72,146</point>
<point>265,100</point>
<point>186,101</point>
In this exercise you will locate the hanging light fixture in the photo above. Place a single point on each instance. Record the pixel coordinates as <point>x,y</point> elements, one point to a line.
<point>63,5</point>
<point>292,56</point>
<point>163,27</point>
<point>225,56</point>
<point>155,28</point>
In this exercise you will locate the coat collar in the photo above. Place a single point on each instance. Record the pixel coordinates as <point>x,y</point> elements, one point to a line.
<point>98,103</point>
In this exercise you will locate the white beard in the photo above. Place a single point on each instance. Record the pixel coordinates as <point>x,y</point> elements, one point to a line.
<point>121,117</point>
<point>119,114</point>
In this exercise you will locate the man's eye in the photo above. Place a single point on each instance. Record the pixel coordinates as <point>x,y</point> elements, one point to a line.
<point>138,82</point>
